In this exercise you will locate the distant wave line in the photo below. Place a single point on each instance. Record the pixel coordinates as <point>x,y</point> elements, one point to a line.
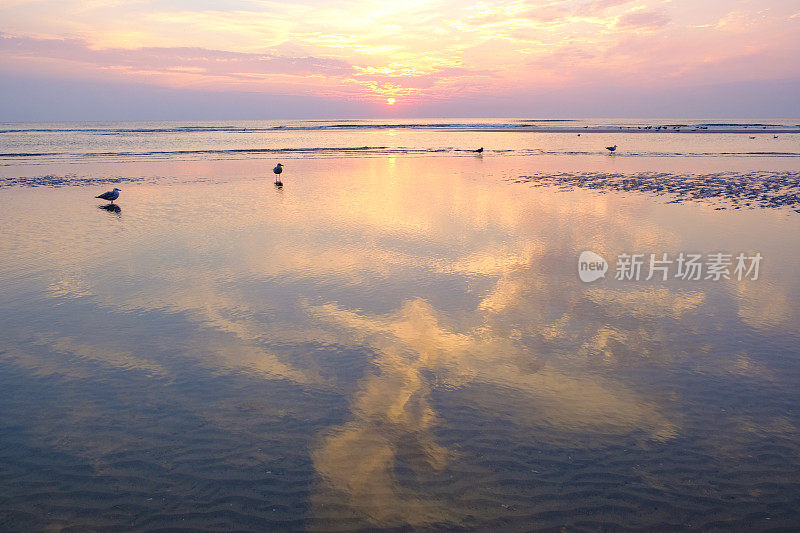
<point>517,124</point>
<point>359,149</point>
<point>236,129</point>
<point>367,150</point>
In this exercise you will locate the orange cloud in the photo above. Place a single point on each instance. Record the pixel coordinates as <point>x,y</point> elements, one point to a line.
<point>425,51</point>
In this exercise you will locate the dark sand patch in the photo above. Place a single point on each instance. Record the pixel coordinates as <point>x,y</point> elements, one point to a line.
<point>62,181</point>
<point>726,190</point>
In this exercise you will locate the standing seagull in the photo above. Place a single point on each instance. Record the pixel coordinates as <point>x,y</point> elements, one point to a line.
<point>611,148</point>
<point>110,195</point>
<point>277,170</point>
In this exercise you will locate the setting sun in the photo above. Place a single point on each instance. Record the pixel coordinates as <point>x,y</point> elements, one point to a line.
<point>529,296</point>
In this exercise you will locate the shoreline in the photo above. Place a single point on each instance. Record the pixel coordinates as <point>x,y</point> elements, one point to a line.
<point>772,131</point>
<point>233,168</point>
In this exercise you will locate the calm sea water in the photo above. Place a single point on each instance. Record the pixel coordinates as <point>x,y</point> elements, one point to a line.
<point>400,340</point>
<point>120,141</point>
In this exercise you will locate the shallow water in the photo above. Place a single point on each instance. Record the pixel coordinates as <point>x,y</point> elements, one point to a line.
<point>76,142</point>
<point>393,342</point>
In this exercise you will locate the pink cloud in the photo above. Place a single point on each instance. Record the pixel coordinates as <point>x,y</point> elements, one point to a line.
<point>598,7</point>
<point>547,13</point>
<point>177,63</point>
<point>556,13</point>
<point>643,20</point>
<point>208,62</point>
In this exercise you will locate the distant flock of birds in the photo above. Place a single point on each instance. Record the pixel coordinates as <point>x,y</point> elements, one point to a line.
<point>278,170</point>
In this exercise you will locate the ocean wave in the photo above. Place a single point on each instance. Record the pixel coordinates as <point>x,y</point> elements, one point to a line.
<point>233,151</point>
<point>356,151</point>
<point>356,125</point>
<point>290,127</point>
<point>55,181</point>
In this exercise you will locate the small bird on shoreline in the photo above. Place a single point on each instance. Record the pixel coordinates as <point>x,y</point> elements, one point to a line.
<point>110,195</point>
<point>277,170</point>
<point>479,150</point>
<point>611,148</point>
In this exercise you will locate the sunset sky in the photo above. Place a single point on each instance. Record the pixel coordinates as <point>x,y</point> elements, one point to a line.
<point>201,59</point>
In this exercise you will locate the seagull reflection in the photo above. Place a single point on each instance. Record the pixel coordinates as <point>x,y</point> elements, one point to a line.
<point>111,208</point>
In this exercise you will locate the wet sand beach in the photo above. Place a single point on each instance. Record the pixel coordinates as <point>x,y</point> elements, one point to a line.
<point>397,341</point>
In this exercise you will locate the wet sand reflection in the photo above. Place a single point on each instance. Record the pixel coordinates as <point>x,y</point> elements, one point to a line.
<point>389,292</point>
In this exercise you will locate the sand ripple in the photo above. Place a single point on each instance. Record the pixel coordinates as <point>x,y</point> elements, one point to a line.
<point>727,190</point>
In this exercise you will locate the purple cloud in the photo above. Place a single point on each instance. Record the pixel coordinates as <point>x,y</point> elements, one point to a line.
<point>201,60</point>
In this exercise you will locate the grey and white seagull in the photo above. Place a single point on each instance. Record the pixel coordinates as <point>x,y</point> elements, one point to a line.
<point>277,170</point>
<point>611,148</point>
<point>110,195</point>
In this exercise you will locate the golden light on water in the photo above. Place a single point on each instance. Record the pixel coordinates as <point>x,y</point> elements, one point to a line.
<point>390,101</point>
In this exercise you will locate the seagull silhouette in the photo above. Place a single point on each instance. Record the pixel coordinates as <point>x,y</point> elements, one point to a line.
<point>277,170</point>
<point>110,195</point>
<point>611,148</point>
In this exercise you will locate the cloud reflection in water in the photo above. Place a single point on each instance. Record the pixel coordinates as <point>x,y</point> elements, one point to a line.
<point>390,291</point>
